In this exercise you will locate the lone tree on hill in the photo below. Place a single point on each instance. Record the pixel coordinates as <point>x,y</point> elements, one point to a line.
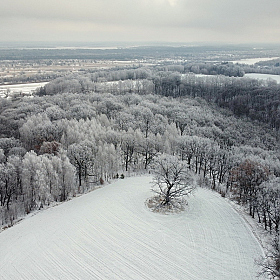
<point>172,180</point>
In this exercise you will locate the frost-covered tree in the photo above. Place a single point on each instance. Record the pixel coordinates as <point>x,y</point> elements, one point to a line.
<point>144,118</point>
<point>38,129</point>
<point>146,148</point>
<point>6,144</point>
<point>82,156</point>
<point>55,113</point>
<point>2,156</point>
<point>128,147</point>
<point>66,175</point>
<point>48,180</point>
<point>125,120</point>
<point>172,179</point>
<point>31,167</point>
<point>49,147</point>
<point>16,162</point>
<point>268,204</point>
<point>270,263</point>
<point>244,180</point>
<point>106,162</point>
<point>8,183</point>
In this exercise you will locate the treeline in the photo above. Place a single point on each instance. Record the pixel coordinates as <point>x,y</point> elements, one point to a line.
<point>54,147</point>
<point>255,99</point>
<point>27,78</point>
<point>252,185</point>
<point>225,68</point>
<point>264,67</point>
<point>231,69</point>
<point>206,68</point>
<point>97,81</point>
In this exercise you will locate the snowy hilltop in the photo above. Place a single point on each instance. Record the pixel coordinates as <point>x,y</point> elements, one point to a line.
<point>111,234</point>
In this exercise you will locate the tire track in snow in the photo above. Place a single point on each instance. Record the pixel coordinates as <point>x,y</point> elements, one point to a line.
<point>249,225</point>
<point>109,234</point>
<point>223,214</point>
<point>139,249</point>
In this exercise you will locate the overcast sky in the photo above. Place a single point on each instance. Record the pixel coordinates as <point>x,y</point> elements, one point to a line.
<point>228,21</point>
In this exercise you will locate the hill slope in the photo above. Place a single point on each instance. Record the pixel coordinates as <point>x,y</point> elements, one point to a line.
<point>110,234</point>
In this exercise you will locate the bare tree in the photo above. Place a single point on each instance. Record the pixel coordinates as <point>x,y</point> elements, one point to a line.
<point>270,264</point>
<point>82,157</point>
<point>244,180</point>
<point>172,179</point>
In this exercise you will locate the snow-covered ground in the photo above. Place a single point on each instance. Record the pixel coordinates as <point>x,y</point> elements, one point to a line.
<point>26,89</point>
<point>251,61</point>
<point>263,76</point>
<point>110,234</point>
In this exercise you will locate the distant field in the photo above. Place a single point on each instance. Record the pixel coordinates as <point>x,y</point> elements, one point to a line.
<point>12,72</point>
<point>263,76</point>
<point>18,89</point>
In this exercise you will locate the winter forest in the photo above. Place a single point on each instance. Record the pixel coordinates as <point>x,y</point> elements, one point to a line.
<point>86,128</point>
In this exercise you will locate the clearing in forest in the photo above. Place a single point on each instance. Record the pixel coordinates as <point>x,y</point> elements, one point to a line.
<point>110,234</point>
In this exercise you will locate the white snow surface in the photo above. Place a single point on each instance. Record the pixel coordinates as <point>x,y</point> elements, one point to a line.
<point>110,234</point>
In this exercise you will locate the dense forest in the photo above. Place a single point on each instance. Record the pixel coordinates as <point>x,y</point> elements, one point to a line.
<point>84,129</point>
<point>255,99</point>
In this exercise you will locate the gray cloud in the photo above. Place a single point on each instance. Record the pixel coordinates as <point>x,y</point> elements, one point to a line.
<point>136,20</point>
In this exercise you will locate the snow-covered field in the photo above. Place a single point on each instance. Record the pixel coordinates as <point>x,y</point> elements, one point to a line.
<point>20,88</point>
<point>263,76</point>
<point>251,61</point>
<point>110,234</point>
